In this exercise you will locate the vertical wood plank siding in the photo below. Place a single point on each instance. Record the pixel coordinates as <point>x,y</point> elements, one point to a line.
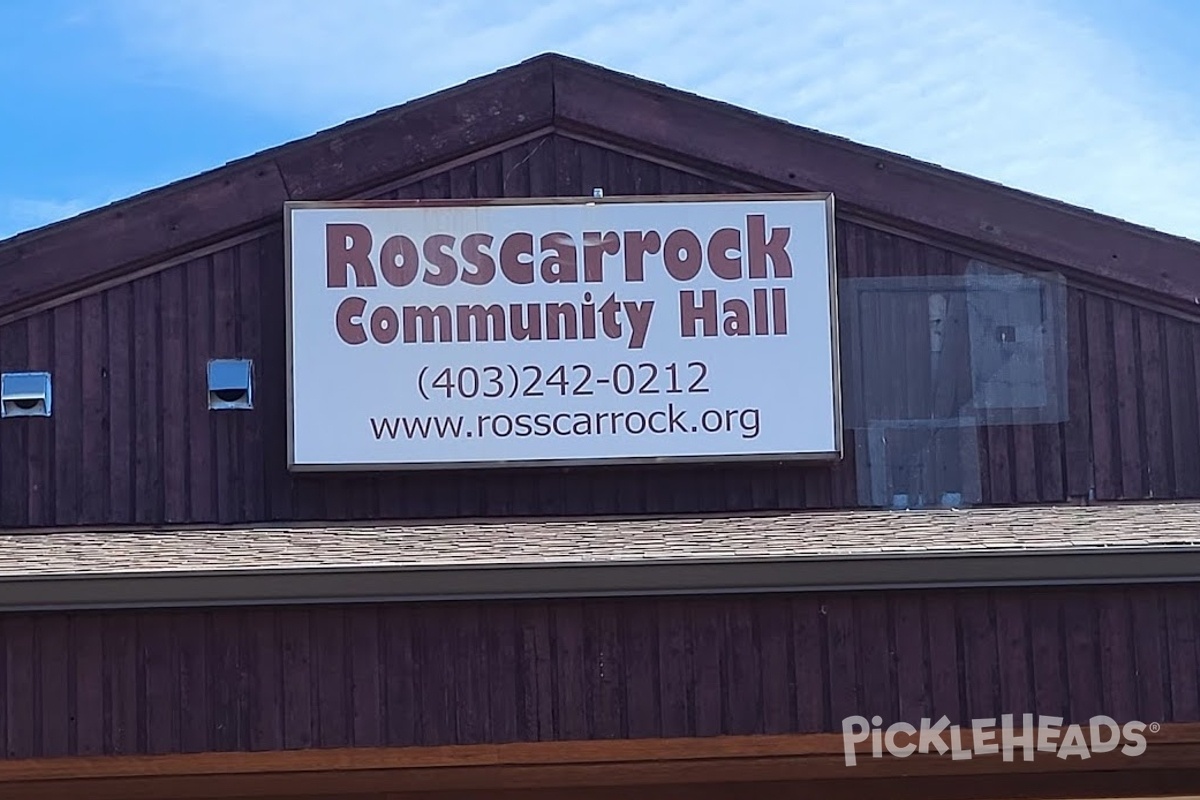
<point>426,674</point>
<point>131,441</point>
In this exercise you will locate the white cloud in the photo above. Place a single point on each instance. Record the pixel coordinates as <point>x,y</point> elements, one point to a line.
<point>1015,92</point>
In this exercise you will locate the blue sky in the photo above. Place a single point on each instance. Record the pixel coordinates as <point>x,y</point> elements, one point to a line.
<point>1095,103</point>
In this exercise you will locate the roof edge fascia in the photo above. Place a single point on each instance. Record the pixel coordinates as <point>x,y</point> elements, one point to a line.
<point>880,183</point>
<point>551,580</point>
<point>157,226</point>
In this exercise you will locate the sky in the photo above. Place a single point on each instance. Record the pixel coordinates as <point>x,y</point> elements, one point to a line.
<point>1093,102</point>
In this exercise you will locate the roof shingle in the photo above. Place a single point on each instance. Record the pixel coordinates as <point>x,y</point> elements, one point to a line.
<point>807,535</point>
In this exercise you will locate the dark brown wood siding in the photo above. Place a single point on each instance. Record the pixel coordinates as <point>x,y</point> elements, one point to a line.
<point>368,675</point>
<point>131,441</point>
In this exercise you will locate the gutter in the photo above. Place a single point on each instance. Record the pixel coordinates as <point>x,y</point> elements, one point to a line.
<point>613,578</point>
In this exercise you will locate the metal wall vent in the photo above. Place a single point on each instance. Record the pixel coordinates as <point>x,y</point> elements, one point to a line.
<point>230,383</point>
<point>25,394</point>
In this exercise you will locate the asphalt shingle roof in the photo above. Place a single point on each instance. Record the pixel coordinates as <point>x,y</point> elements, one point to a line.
<point>815,535</point>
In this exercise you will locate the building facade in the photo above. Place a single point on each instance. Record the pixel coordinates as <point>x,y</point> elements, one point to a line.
<point>1010,527</point>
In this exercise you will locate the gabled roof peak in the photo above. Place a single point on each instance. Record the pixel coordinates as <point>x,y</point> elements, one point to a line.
<point>552,91</point>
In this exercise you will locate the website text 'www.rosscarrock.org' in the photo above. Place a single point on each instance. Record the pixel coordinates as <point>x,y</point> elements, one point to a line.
<point>669,421</point>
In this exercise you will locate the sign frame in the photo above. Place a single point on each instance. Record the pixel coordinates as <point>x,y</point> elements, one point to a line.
<point>831,456</point>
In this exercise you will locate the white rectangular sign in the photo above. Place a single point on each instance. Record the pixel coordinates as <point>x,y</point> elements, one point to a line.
<point>565,331</point>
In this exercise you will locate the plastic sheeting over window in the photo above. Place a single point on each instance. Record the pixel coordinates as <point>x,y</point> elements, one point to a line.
<point>928,360</point>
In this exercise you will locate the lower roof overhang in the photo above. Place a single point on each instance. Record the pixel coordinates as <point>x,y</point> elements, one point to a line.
<point>713,768</point>
<point>553,580</point>
<point>811,551</point>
